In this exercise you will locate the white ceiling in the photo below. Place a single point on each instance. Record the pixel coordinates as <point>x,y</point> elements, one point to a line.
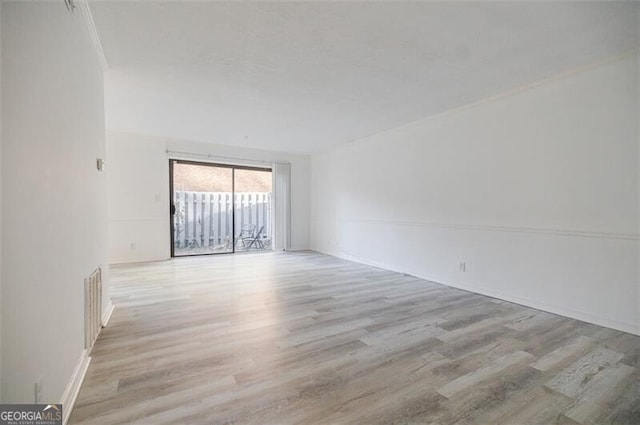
<point>302,77</point>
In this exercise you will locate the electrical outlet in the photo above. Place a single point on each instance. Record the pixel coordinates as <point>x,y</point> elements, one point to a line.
<point>132,245</point>
<point>462,266</point>
<point>37,390</point>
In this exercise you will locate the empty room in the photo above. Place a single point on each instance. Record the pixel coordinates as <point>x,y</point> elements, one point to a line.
<point>319,212</point>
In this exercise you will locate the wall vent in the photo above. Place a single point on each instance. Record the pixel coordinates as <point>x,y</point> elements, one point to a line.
<point>92,307</point>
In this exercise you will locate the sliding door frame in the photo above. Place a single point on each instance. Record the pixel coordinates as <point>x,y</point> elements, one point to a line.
<point>172,206</point>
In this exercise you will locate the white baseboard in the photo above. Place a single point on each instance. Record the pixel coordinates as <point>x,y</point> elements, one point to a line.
<point>73,387</point>
<point>106,315</point>
<point>583,316</point>
<point>618,325</point>
<point>120,261</point>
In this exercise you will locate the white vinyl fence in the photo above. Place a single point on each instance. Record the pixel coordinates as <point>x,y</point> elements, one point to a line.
<point>204,219</point>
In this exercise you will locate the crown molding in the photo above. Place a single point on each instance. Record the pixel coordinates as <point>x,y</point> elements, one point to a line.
<point>83,5</point>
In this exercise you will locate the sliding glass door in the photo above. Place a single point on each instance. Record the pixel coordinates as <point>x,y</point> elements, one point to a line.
<point>219,208</point>
<point>252,209</point>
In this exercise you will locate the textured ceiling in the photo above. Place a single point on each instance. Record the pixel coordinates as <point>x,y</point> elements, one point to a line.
<point>302,77</point>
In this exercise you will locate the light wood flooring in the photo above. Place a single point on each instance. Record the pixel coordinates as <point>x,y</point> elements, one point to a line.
<point>303,338</point>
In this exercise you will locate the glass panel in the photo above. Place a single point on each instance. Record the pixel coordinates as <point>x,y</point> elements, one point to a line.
<point>202,196</point>
<point>253,209</point>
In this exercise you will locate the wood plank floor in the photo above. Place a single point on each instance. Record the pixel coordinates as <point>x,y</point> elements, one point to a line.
<point>303,338</point>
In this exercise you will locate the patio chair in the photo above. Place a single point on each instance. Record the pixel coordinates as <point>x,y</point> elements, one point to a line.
<point>246,235</point>
<point>255,241</point>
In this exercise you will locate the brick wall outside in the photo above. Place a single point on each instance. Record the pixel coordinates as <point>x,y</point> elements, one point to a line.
<point>201,178</point>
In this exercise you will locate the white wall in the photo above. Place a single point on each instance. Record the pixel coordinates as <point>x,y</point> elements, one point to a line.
<point>536,190</point>
<point>54,199</point>
<point>138,187</point>
<point>0,200</point>
<point>138,194</point>
<point>638,136</point>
